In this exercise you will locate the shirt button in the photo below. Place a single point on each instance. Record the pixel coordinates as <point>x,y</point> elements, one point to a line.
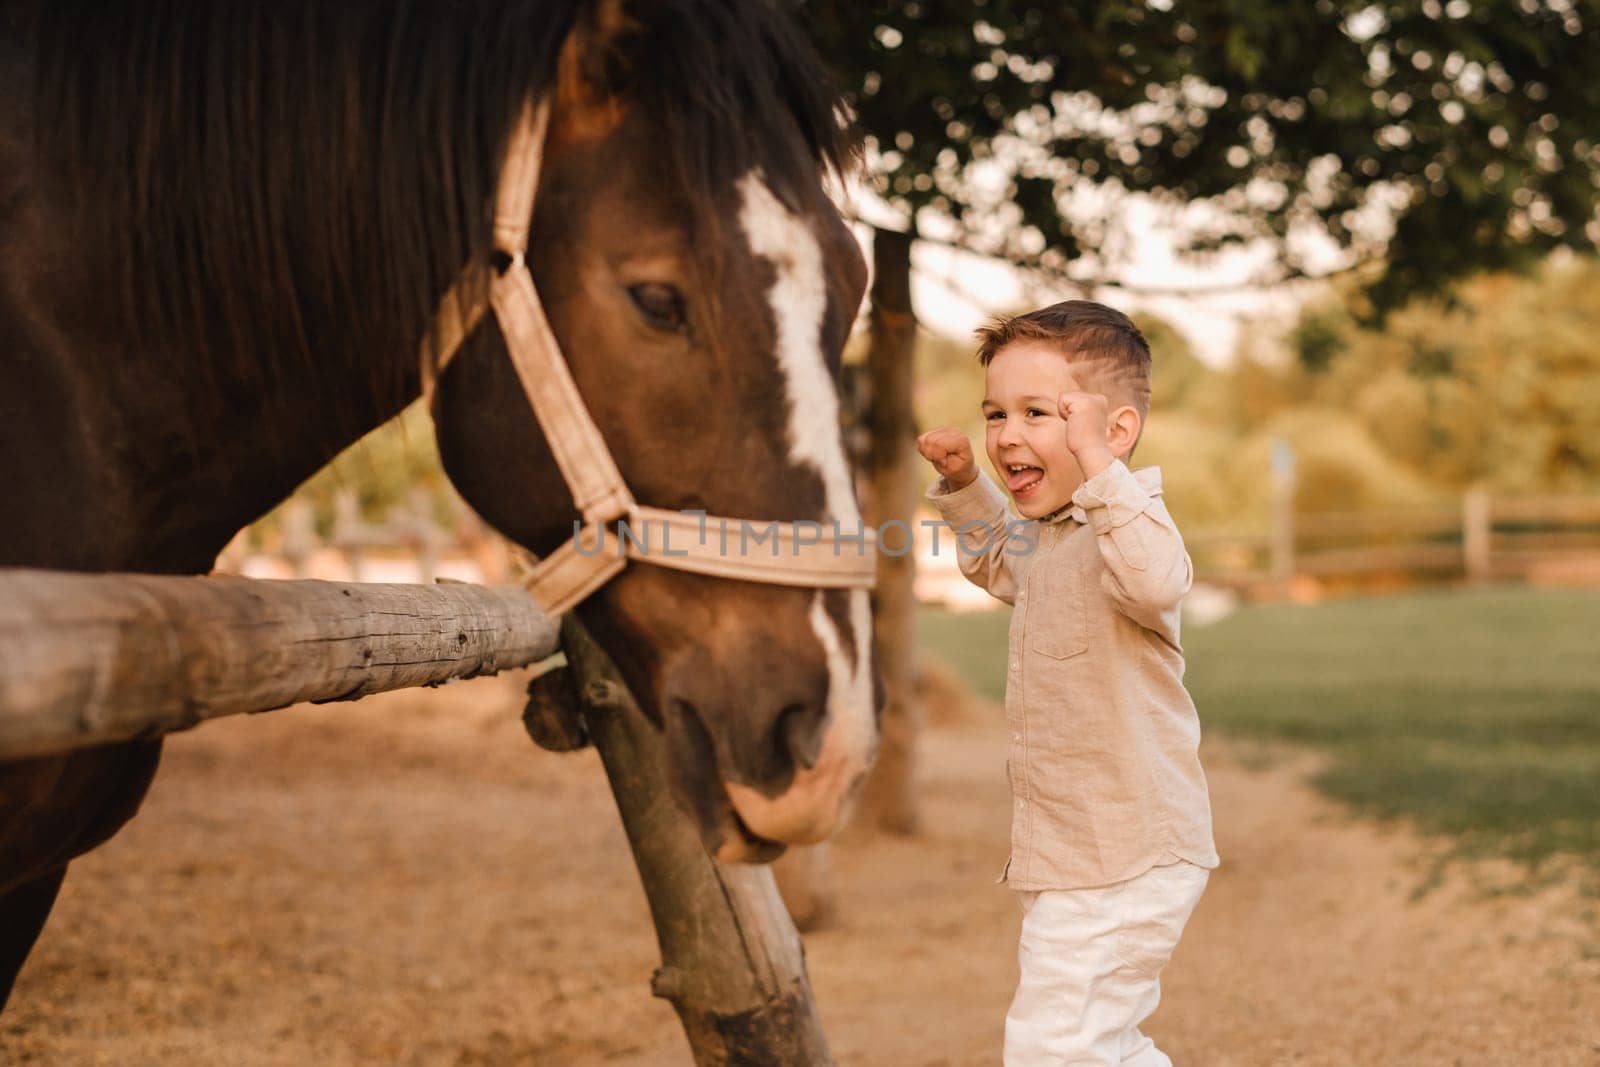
<point>1016,665</point>
<point>1017,738</point>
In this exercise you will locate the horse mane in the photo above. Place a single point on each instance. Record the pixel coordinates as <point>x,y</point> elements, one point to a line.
<point>258,177</point>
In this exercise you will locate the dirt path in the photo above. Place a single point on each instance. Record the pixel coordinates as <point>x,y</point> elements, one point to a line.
<point>409,881</point>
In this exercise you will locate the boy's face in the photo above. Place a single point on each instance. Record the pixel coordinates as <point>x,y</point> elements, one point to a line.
<point>1025,436</point>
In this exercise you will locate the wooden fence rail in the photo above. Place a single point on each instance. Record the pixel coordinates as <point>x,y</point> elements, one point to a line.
<point>89,658</point>
<point>1485,537</point>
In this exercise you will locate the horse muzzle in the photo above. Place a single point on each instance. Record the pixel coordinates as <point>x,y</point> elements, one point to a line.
<point>817,802</point>
<point>794,788</point>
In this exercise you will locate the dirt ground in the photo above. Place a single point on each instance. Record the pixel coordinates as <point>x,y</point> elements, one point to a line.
<point>407,880</point>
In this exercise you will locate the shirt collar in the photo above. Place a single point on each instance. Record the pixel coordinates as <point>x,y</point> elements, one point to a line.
<point>1148,478</point>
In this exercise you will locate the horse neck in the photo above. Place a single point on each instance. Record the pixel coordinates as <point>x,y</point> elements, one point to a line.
<point>121,457</point>
<point>226,460</point>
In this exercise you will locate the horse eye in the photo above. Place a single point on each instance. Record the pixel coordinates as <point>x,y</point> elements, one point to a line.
<point>660,304</point>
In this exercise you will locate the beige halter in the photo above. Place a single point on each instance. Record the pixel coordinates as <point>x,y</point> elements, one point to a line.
<point>689,541</point>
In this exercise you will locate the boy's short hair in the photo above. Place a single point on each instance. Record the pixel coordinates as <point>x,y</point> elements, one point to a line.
<point>1087,332</point>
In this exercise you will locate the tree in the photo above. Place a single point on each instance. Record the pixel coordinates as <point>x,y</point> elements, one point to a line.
<point>1427,138</point>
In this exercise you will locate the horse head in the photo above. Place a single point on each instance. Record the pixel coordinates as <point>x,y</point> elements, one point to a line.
<point>701,286</point>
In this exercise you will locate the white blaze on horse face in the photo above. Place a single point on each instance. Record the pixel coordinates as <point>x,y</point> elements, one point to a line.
<point>813,805</point>
<point>799,299</point>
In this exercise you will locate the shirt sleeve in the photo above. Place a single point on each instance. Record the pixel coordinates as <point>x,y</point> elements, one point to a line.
<point>1147,568</point>
<point>988,537</point>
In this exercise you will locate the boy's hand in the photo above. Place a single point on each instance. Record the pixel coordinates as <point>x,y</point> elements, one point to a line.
<point>1088,417</point>
<point>948,449</point>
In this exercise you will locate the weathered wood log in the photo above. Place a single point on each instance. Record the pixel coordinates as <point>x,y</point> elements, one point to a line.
<point>731,962</point>
<point>91,658</point>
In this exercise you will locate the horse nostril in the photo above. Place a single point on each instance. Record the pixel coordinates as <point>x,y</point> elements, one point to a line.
<point>800,726</point>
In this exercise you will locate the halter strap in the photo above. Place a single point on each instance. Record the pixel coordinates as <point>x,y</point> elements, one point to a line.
<point>584,563</point>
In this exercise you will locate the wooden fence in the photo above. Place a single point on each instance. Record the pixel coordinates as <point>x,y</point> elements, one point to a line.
<point>1482,538</point>
<point>93,658</point>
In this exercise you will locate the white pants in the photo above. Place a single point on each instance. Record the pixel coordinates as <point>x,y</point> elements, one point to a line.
<point>1091,964</point>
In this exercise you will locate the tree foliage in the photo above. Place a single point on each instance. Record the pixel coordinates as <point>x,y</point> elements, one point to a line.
<point>1496,384</point>
<point>1431,137</point>
<point>1499,384</point>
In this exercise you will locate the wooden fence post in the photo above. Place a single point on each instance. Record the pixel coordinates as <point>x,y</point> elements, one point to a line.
<point>1282,544</point>
<point>349,531</point>
<point>731,962</point>
<point>1475,528</point>
<point>299,535</point>
<point>429,538</point>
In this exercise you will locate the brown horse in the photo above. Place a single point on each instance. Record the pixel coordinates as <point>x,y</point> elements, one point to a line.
<point>224,229</point>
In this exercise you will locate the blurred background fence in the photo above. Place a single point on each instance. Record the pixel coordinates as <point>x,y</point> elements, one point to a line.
<point>1543,539</point>
<point>410,541</point>
<point>1546,540</point>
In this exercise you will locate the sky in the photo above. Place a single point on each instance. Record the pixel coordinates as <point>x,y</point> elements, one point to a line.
<point>1211,302</point>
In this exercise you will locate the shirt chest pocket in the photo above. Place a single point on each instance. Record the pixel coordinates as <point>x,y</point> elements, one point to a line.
<point>1057,626</point>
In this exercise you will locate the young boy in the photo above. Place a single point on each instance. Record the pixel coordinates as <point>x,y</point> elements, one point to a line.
<point>1111,829</point>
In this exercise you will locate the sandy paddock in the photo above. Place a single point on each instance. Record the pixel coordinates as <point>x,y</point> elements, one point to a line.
<point>407,880</point>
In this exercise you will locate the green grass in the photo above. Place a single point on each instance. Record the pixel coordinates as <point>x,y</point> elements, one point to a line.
<point>1472,714</point>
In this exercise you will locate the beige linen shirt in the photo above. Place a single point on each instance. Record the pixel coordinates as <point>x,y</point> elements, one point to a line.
<point>1105,773</point>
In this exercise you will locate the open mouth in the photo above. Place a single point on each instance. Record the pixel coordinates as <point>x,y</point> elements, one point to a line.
<point>1022,479</point>
<point>746,846</point>
<point>703,796</point>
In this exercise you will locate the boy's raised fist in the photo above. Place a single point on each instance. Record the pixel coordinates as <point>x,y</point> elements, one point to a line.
<point>1088,427</point>
<point>948,449</point>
